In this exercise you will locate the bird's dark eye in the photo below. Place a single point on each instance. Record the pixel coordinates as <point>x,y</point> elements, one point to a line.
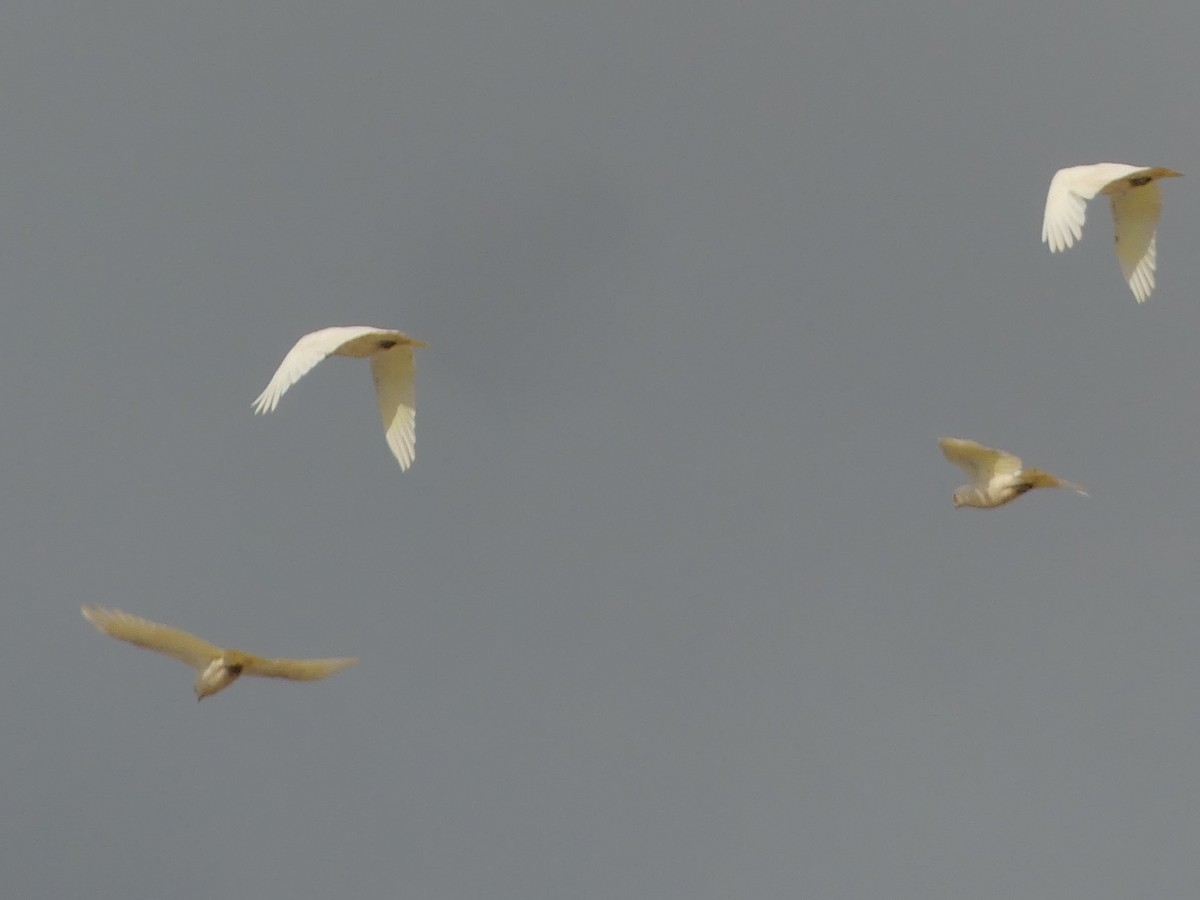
<point>386,345</point>
<point>1138,182</point>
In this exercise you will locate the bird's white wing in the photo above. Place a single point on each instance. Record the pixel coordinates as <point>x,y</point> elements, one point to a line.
<point>1066,203</point>
<point>296,669</point>
<point>394,373</point>
<point>185,647</point>
<point>309,350</point>
<point>982,464</point>
<point>1135,218</point>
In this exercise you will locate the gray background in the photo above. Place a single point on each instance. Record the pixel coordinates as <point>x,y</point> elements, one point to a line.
<point>674,602</point>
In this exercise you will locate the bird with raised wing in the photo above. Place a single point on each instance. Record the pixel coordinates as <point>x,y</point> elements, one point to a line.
<point>1136,204</point>
<point>996,477</point>
<point>216,668</point>
<point>392,368</point>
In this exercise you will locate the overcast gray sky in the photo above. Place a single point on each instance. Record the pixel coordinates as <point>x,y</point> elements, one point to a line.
<point>674,602</point>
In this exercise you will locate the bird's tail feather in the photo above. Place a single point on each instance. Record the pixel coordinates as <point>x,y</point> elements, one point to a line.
<point>1040,479</point>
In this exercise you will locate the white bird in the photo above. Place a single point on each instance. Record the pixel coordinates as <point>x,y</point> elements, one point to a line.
<point>216,668</point>
<point>1136,203</point>
<point>392,368</point>
<point>996,477</point>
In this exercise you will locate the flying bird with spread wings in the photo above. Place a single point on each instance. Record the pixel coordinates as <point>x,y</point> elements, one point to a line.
<point>216,668</point>
<point>1136,204</point>
<point>996,477</point>
<point>392,368</point>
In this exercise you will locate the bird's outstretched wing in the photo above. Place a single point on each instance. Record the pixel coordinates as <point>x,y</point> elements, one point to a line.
<point>187,648</point>
<point>1066,207</point>
<point>308,351</point>
<point>1135,219</point>
<point>296,669</point>
<point>393,371</point>
<point>979,462</point>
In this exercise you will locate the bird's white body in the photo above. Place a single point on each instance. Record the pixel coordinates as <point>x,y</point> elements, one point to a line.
<point>1136,204</point>
<point>996,477</point>
<point>392,368</point>
<point>216,668</point>
<point>216,676</point>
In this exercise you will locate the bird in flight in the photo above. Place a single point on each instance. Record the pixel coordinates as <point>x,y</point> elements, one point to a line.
<point>1136,203</point>
<point>392,368</point>
<point>216,668</point>
<point>996,477</point>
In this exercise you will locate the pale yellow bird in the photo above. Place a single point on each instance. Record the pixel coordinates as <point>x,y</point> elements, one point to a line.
<point>392,368</point>
<point>996,477</point>
<point>1136,204</point>
<point>215,667</point>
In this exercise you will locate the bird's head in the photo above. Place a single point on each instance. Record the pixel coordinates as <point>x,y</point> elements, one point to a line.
<point>960,498</point>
